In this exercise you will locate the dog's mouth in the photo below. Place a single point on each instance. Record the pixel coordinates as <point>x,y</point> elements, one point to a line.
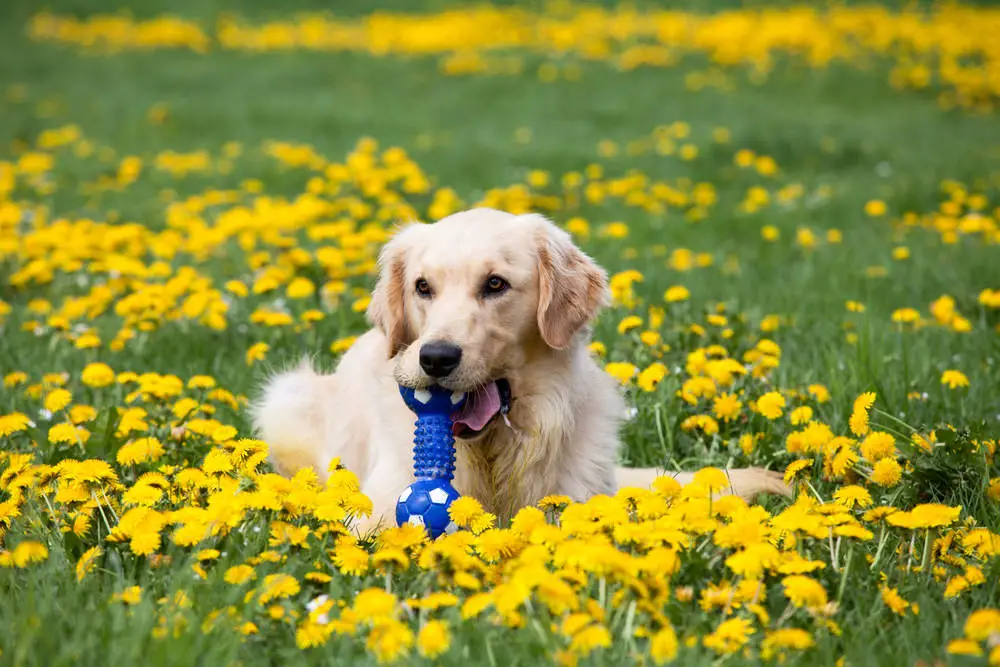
<point>481,409</point>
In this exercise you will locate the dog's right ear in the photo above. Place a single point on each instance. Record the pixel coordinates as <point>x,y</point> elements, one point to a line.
<point>572,287</point>
<point>387,309</point>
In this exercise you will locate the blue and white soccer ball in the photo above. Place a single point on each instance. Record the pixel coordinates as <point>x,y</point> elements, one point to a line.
<point>425,503</point>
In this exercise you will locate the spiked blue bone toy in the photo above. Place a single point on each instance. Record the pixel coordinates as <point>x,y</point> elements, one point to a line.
<point>426,501</point>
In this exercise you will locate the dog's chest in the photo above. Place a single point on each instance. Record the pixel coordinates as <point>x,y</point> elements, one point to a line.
<point>504,472</point>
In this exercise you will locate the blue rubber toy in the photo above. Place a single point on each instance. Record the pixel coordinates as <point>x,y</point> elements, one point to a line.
<point>426,501</point>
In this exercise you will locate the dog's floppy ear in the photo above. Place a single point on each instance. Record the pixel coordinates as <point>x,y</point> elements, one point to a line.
<point>571,286</point>
<point>387,309</point>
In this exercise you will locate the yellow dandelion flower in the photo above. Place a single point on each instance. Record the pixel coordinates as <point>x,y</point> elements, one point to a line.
<point>237,288</point>
<point>770,233</point>
<point>783,639</point>
<point>651,376</point>
<point>97,375</point>
<point>801,415</point>
<point>893,600</point>
<point>964,647</point>
<point>277,586</point>
<point>130,596</point>
<point>374,604</point>
<point>239,574</point>
<point>875,208</point>
<point>925,515</point>
<point>201,382</point>
<point>771,405</point>
<point>80,414</point>
<point>853,496</point>
<point>476,604</point>
<point>29,552</point>
<point>256,352</point>
<point>621,371</point>
<point>726,407</point>
<point>794,468</point>
<point>877,445</point>
<point>389,640</point>
<point>57,399</point>
<point>589,638</point>
<point>993,491</point>
<point>859,416</point>
<point>13,423</point>
<point>676,293</point>
<point>886,472</point>
<point>954,379</point>
<point>341,345</point>
<point>87,562</point>
<point>463,511</point>
<point>68,433</point>
<point>730,636</point>
<point>351,559</point>
<point>629,323</point>
<point>300,288</point>
<point>433,639</point>
<point>139,451</point>
<point>651,338</point>
<point>663,646</point>
<point>712,479</point>
<point>15,378</point>
<point>804,591</point>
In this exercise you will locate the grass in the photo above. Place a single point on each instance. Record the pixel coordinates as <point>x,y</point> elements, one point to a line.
<point>842,130</point>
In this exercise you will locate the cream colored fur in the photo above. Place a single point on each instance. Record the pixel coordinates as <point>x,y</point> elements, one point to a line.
<point>564,423</point>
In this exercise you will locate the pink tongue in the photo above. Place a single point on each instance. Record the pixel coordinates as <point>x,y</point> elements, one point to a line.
<point>479,408</point>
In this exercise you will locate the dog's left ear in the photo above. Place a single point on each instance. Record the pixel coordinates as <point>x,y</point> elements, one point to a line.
<point>572,288</point>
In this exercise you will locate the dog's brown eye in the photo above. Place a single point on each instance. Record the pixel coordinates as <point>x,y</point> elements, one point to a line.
<point>423,287</point>
<point>495,285</point>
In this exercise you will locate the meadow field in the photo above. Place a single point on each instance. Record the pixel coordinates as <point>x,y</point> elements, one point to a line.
<point>799,208</point>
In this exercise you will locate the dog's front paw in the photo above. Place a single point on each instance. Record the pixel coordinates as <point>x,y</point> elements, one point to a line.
<point>367,527</point>
<point>747,483</point>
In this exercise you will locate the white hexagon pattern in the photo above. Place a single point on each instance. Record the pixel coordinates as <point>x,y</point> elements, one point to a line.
<point>438,496</point>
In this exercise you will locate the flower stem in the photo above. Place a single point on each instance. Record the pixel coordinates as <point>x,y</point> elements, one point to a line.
<point>878,552</point>
<point>926,560</point>
<point>843,576</point>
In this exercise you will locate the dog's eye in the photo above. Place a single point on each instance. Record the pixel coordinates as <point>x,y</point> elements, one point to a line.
<point>495,285</point>
<point>423,287</point>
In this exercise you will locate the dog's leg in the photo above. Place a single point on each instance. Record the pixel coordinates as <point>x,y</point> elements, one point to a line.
<point>746,483</point>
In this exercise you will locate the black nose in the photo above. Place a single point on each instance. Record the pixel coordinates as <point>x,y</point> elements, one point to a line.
<point>439,359</point>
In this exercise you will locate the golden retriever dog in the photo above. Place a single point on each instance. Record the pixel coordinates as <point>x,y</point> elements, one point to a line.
<point>492,304</point>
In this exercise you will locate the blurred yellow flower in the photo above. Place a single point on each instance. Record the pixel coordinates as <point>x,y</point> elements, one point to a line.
<point>97,375</point>
<point>433,639</point>
<point>875,208</point>
<point>676,293</point>
<point>954,379</point>
<point>771,405</point>
<point>256,352</point>
<point>621,371</point>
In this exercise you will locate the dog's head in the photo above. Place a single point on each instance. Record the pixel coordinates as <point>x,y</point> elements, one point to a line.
<point>467,301</point>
